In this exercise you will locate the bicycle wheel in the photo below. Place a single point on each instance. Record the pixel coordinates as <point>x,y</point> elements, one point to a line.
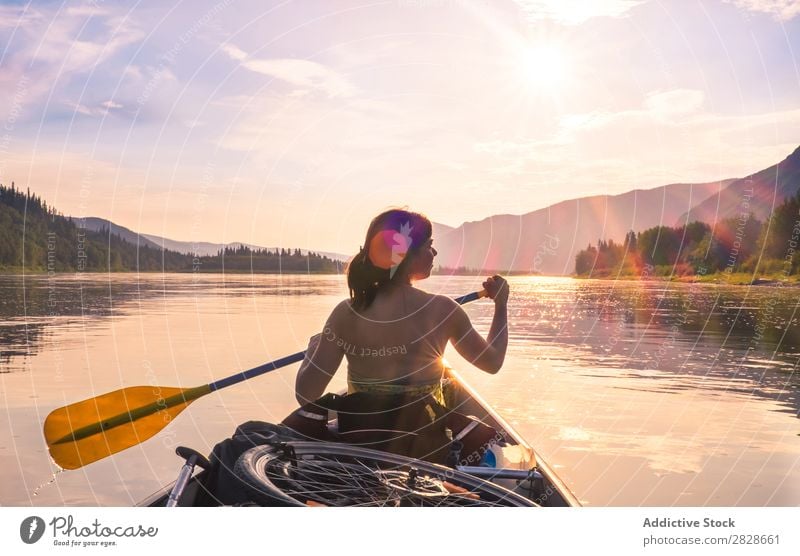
<point>332,474</point>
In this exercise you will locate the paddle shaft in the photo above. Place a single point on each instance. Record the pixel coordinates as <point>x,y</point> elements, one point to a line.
<point>300,355</point>
<point>191,394</point>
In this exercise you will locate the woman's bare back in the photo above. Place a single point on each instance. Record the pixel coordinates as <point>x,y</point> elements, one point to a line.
<point>400,338</point>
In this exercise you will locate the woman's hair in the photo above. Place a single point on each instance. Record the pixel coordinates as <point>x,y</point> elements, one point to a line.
<point>392,238</point>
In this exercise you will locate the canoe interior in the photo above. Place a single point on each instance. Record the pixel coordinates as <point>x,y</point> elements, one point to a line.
<point>546,489</point>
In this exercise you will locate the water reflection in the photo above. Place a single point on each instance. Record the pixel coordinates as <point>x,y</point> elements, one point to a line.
<point>737,340</point>
<point>30,306</point>
<point>640,393</point>
<point>696,335</point>
<point>14,341</point>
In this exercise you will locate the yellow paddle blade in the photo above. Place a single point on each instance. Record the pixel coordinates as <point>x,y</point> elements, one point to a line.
<point>90,430</point>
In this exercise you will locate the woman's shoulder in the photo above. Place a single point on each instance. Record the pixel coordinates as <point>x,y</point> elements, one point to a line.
<point>342,310</point>
<point>442,305</point>
<point>441,300</point>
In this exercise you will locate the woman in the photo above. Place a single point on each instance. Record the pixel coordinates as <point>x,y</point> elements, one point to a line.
<point>392,333</point>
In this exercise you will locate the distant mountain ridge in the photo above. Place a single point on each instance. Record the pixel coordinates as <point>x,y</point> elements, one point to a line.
<point>758,193</point>
<point>201,248</point>
<point>94,224</point>
<point>547,240</point>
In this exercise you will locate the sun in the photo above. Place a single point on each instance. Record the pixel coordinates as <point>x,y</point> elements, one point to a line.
<point>543,68</point>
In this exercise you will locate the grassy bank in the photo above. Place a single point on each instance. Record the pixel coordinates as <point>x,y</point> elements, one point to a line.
<point>726,278</point>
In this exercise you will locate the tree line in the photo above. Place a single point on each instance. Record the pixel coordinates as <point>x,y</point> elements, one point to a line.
<point>738,244</point>
<point>244,258</point>
<point>35,237</point>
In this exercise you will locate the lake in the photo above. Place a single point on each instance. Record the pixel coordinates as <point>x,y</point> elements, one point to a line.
<point>637,393</point>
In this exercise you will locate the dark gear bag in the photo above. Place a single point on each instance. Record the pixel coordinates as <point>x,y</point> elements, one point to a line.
<point>311,420</point>
<point>472,438</point>
<point>221,486</point>
<point>413,426</point>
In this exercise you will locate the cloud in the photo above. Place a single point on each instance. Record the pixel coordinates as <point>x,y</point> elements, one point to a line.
<point>81,109</point>
<point>12,17</point>
<point>90,9</point>
<point>674,103</point>
<point>103,109</point>
<point>234,52</point>
<point>194,123</point>
<point>575,12</point>
<point>671,137</point>
<point>133,72</point>
<point>48,49</point>
<point>297,72</point>
<point>276,126</point>
<point>781,10</point>
<point>60,46</point>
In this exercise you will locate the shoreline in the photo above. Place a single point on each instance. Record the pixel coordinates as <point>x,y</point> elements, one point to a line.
<point>45,272</point>
<point>18,272</point>
<point>718,279</point>
<point>738,279</point>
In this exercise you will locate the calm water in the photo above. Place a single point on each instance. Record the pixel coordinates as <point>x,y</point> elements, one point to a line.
<point>637,393</point>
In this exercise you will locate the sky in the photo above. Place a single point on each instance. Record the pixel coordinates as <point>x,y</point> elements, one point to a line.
<point>294,123</point>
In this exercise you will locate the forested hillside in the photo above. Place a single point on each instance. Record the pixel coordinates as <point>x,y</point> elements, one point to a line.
<point>738,244</point>
<point>35,237</point>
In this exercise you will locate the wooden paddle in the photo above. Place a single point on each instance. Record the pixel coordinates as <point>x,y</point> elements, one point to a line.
<point>87,431</point>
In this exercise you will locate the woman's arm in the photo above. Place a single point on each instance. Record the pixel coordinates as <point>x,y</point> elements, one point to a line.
<point>323,358</point>
<point>488,355</point>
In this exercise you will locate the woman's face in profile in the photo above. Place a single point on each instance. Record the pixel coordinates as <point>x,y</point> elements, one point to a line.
<point>422,264</point>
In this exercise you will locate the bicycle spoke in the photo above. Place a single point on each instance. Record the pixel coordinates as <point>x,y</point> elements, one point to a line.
<point>340,475</point>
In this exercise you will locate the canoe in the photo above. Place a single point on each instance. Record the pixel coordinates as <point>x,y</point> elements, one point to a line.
<point>514,474</point>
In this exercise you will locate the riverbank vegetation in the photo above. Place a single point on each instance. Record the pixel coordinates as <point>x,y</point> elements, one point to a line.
<point>738,250</point>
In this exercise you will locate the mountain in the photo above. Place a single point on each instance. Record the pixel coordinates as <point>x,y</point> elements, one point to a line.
<point>547,240</point>
<point>758,193</point>
<point>35,237</point>
<point>200,248</point>
<point>94,224</point>
<point>205,248</point>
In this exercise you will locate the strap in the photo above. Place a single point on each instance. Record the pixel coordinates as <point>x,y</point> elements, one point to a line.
<point>466,430</point>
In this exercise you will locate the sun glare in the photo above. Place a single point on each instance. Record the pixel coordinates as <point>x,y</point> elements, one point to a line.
<point>543,68</point>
